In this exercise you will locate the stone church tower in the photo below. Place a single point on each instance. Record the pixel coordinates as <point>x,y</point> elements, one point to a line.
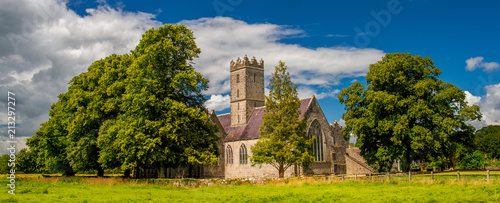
<point>247,88</point>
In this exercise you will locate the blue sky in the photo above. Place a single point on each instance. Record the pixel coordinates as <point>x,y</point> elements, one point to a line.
<point>327,45</point>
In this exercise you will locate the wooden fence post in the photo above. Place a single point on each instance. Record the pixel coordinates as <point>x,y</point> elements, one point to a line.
<point>432,176</point>
<point>388,176</point>
<point>409,175</point>
<point>488,176</point>
<point>458,175</point>
<point>371,177</point>
<point>343,178</point>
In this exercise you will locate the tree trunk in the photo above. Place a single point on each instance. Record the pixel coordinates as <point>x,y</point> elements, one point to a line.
<point>161,172</point>
<point>281,171</point>
<point>100,172</point>
<point>126,174</point>
<point>68,171</point>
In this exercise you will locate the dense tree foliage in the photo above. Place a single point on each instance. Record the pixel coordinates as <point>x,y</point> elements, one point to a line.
<point>26,161</point>
<point>407,113</point>
<point>139,109</point>
<point>488,141</point>
<point>164,123</point>
<point>4,161</point>
<point>283,141</point>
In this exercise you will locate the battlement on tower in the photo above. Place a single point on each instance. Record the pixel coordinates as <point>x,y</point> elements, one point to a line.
<point>253,63</point>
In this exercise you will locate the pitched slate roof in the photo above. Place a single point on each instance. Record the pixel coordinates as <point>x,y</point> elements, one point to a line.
<point>251,129</point>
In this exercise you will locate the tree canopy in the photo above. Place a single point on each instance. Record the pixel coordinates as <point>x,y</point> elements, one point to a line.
<point>139,109</point>
<point>282,141</point>
<point>488,140</point>
<point>407,113</point>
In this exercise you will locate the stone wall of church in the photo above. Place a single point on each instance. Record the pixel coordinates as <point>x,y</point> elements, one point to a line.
<point>217,170</point>
<point>353,167</point>
<point>240,170</point>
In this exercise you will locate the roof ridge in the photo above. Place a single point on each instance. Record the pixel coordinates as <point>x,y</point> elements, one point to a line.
<point>224,114</point>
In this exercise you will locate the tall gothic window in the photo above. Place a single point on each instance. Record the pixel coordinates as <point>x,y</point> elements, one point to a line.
<point>243,154</point>
<point>229,155</point>
<point>317,145</point>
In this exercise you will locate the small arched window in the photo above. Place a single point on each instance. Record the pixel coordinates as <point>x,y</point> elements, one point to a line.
<point>229,155</point>
<point>317,145</point>
<point>243,154</point>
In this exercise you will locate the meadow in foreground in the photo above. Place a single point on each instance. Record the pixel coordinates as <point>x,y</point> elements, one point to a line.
<point>112,189</point>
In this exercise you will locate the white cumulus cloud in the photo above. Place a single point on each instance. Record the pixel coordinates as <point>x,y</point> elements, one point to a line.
<point>471,99</point>
<point>218,102</point>
<point>489,104</point>
<point>478,62</point>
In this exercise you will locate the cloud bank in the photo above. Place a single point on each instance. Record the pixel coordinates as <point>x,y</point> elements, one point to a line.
<point>222,39</point>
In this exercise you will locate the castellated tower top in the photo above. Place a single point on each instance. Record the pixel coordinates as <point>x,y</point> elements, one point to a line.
<point>246,63</point>
<point>247,88</point>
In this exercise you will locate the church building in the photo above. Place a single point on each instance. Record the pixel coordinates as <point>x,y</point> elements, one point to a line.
<point>239,130</point>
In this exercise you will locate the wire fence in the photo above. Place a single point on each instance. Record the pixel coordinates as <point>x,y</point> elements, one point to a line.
<point>486,175</point>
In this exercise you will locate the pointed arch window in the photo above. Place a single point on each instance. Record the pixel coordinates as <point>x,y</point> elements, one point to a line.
<point>229,155</point>
<point>317,145</point>
<point>243,154</point>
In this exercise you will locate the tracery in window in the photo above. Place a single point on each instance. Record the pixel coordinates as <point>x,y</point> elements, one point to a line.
<point>317,145</point>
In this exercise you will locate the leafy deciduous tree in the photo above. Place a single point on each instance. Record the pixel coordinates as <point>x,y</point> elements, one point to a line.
<point>164,123</point>
<point>282,141</point>
<point>407,113</point>
<point>488,140</point>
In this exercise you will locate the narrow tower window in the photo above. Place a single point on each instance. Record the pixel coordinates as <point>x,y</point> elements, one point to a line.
<point>237,93</point>
<point>237,78</point>
<point>254,77</point>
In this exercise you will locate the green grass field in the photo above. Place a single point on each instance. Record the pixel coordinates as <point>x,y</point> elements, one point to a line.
<point>84,189</point>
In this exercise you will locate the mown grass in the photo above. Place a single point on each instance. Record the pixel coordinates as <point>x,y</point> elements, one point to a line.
<point>83,189</point>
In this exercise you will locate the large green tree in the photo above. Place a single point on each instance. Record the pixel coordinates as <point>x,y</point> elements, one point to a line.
<point>139,109</point>
<point>95,96</point>
<point>488,140</point>
<point>164,122</point>
<point>282,141</point>
<point>407,113</point>
<point>50,142</point>
<point>68,141</point>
